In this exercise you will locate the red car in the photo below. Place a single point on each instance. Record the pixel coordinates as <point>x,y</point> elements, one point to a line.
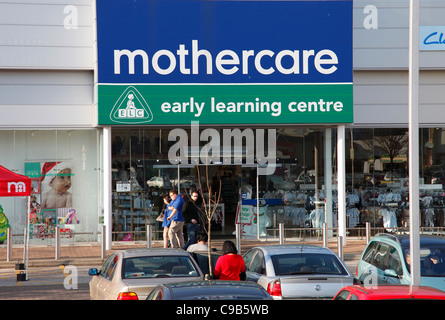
<point>388,292</point>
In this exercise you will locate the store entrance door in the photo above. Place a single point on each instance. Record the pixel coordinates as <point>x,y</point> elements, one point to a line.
<point>232,182</point>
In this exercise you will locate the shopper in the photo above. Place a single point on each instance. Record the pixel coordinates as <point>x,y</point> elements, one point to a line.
<point>201,245</point>
<point>192,219</point>
<point>165,222</point>
<point>177,220</point>
<point>230,266</point>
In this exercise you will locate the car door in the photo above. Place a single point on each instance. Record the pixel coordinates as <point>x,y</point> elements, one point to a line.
<point>94,283</point>
<point>375,271</point>
<point>372,265</point>
<point>106,275</point>
<point>394,265</point>
<point>255,266</point>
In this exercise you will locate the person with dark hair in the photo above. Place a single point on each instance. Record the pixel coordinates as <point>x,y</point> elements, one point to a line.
<point>165,222</point>
<point>192,223</point>
<point>201,245</point>
<point>230,266</point>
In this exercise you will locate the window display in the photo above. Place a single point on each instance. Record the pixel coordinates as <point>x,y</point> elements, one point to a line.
<point>377,181</point>
<point>63,168</point>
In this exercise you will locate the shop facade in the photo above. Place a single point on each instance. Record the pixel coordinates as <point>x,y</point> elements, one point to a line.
<point>52,113</point>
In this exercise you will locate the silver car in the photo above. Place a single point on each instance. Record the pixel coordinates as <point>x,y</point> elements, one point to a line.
<point>133,274</point>
<point>297,271</point>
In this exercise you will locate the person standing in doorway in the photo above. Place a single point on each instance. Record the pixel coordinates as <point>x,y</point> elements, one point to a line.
<point>176,220</point>
<point>192,219</point>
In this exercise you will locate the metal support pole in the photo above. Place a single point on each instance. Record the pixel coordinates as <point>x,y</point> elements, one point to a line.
<point>341,181</point>
<point>103,241</point>
<point>57,253</point>
<point>281,232</point>
<point>340,247</point>
<point>325,234</point>
<point>238,236</point>
<point>368,232</point>
<point>413,144</point>
<point>9,244</point>
<point>149,231</point>
<point>107,185</point>
<point>26,250</point>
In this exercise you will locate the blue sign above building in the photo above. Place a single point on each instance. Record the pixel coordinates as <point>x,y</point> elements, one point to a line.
<point>192,41</point>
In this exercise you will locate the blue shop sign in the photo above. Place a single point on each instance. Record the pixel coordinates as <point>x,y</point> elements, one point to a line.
<point>208,42</point>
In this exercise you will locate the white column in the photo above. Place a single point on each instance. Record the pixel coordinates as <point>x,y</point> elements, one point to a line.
<point>108,221</point>
<point>341,182</point>
<point>413,153</point>
<point>328,179</point>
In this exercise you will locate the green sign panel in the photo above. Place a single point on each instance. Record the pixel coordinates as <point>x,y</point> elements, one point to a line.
<point>179,104</point>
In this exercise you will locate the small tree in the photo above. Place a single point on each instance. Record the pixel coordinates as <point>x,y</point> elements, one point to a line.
<point>208,208</point>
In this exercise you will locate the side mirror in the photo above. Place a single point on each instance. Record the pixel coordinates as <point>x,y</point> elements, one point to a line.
<point>93,272</point>
<point>390,273</point>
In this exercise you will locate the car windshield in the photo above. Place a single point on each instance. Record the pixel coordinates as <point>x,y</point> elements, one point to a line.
<point>158,266</point>
<point>432,262</point>
<point>307,263</point>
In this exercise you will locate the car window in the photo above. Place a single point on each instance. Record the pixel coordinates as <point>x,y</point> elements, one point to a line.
<point>307,263</point>
<point>158,266</point>
<point>109,266</point>
<point>380,254</point>
<point>394,261</point>
<point>369,253</point>
<point>202,259</point>
<point>343,295</point>
<point>432,260</point>
<point>248,258</point>
<point>257,264</point>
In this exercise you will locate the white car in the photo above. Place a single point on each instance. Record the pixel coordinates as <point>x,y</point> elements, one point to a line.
<point>133,274</point>
<point>297,271</point>
<point>160,182</point>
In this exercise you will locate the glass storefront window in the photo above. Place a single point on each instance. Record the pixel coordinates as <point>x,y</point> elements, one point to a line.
<point>301,192</point>
<point>293,194</point>
<point>64,168</point>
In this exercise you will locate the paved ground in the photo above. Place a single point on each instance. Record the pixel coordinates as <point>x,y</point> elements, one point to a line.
<point>90,253</point>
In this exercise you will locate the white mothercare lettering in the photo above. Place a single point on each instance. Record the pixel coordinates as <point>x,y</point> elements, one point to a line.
<point>226,62</point>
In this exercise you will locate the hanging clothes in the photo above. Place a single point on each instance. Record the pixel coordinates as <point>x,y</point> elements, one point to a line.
<point>389,219</point>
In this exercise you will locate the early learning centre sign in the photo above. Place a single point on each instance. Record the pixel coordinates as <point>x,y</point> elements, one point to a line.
<point>170,62</point>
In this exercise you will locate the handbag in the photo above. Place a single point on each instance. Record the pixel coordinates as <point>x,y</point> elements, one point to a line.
<point>160,218</point>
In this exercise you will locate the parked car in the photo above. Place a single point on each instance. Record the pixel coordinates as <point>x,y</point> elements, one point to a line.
<point>297,271</point>
<point>160,182</point>
<point>388,292</point>
<point>386,260</point>
<point>133,274</point>
<point>210,290</point>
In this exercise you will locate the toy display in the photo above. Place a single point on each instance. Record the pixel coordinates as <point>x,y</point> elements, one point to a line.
<point>4,225</point>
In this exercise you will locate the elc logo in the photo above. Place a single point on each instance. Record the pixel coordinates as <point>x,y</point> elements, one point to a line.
<point>131,107</point>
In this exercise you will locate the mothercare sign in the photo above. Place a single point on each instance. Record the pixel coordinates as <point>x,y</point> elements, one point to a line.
<point>224,62</point>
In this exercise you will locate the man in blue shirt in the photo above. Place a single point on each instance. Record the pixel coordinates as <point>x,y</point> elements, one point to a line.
<point>177,220</point>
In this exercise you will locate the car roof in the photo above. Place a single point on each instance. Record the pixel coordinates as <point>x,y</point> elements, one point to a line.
<point>132,253</point>
<point>292,248</point>
<point>219,288</point>
<point>396,292</point>
<point>403,239</point>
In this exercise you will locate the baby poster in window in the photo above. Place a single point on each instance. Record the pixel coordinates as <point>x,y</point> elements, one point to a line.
<point>56,185</point>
